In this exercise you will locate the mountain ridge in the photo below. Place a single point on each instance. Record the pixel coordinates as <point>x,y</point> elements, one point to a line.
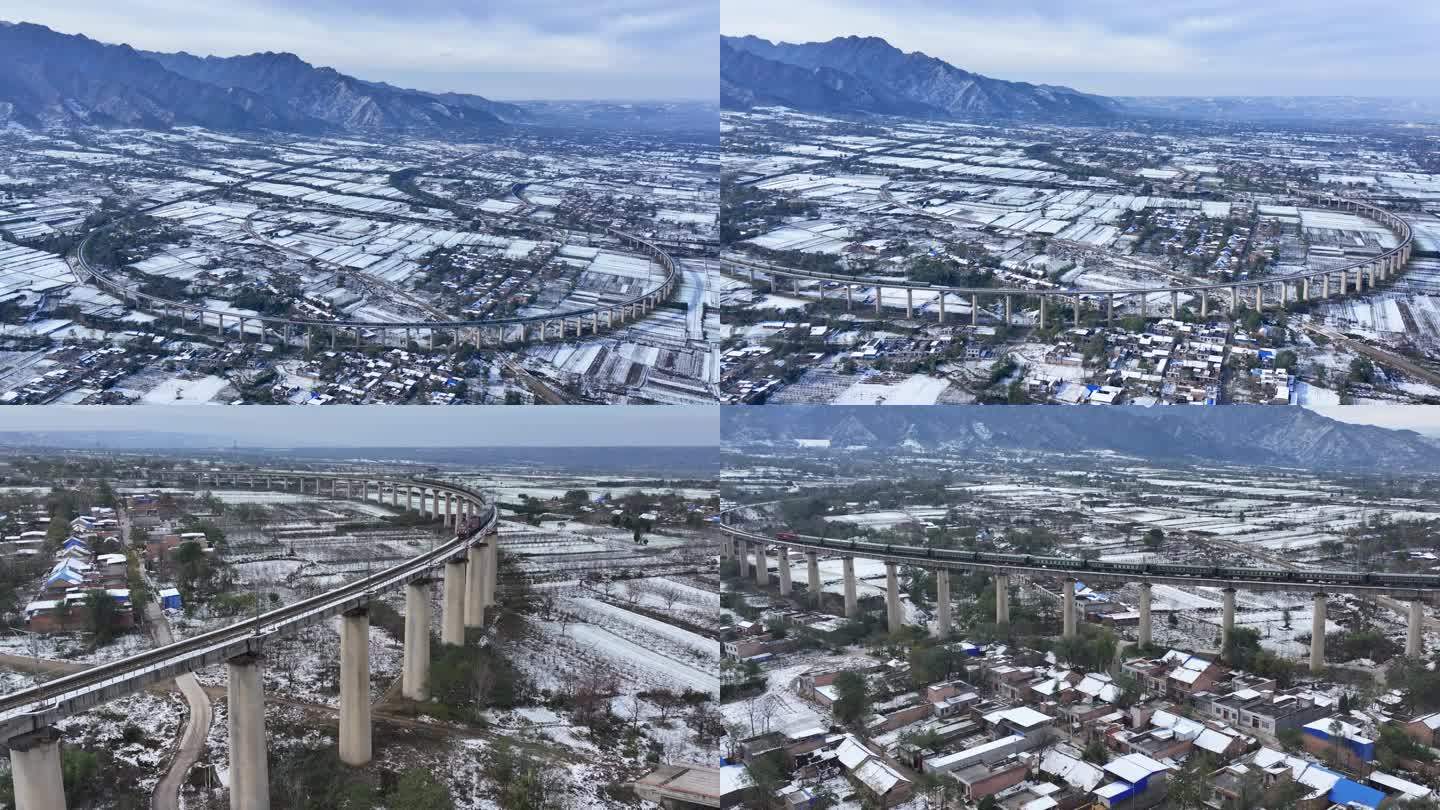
<point>879,70</point>
<point>49,78</point>
<point>1261,435</point>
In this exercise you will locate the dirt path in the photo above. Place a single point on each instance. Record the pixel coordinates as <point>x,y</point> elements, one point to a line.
<point>197,725</point>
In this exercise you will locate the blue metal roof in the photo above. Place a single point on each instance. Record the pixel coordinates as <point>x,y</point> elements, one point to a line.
<point>1347,791</point>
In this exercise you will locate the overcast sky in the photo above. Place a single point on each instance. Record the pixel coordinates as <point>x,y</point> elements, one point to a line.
<point>1423,419</point>
<point>378,426</point>
<point>1140,47</point>
<point>506,49</point>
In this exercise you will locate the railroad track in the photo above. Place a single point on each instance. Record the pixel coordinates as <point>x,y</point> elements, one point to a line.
<point>37,707</point>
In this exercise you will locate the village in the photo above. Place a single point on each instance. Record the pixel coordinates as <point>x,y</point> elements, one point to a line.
<point>846,207</point>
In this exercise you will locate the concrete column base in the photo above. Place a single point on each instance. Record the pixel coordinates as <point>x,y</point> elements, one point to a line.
<point>782,557</point>
<point>415,678</point>
<point>812,564</point>
<point>475,588</point>
<point>852,603</point>
<point>249,765</point>
<point>1144,635</point>
<point>1068,600</point>
<point>892,598</point>
<point>942,603</point>
<point>452,616</point>
<point>35,766</point>
<point>1414,636</point>
<point>355,688</point>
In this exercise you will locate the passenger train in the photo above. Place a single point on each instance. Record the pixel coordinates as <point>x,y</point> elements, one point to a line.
<point>1279,575</point>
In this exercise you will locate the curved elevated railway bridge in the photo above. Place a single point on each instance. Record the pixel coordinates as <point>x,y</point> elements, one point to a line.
<point>468,560</point>
<point>489,332</point>
<point>1416,588</point>
<point>1270,291</point>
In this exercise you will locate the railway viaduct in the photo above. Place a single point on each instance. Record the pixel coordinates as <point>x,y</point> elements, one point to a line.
<point>1274,291</point>
<point>468,560</point>
<point>491,332</point>
<point>749,550</point>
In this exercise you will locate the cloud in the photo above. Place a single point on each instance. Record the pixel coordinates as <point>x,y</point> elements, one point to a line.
<point>632,48</point>
<point>1139,47</point>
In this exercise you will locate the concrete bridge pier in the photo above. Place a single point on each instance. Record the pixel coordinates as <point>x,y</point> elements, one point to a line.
<point>1204,304</point>
<point>812,565</point>
<point>1234,299</point>
<point>742,549</point>
<point>782,556</point>
<point>492,569</point>
<point>1079,305</point>
<point>1342,277</point>
<point>1174,304</point>
<point>852,605</point>
<point>475,588</point>
<point>762,566</point>
<point>892,598</point>
<point>1414,636</point>
<point>1009,310</point>
<point>879,293</point>
<point>1043,299</point>
<point>974,309</point>
<point>1325,286</point>
<point>942,603</point>
<point>449,509</point>
<point>1227,616</point>
<point>1317,634</point>
<point>35,766</point>
<point>1068,622</point>
<point>849,296</point>
<point>355,687</point>
<point>415,677</point>
<point>1109,309</point>
<point>941,312</point>
<point>452,615</point>
<point>1259,297</point>
<point>1144,634</point>
<point>245,703</point>
<point>909,303</point>
<point>1002,601</point>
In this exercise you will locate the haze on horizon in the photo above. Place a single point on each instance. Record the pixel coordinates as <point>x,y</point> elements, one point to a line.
<point>1135,48</point>
<point>403,427</point>
<point>623,50</point>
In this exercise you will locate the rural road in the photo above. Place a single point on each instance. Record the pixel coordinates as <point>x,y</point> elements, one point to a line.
<point>197,725</point>
<point>199,712</point>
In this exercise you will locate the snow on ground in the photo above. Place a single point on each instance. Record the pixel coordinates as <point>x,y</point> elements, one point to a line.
<point>73,647</point>
<point>703,648</point>
<point>645,663</point>
<point>139,729</point>
<point>778,707</point>
<point>175,391</point>
<point>916,389</point>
